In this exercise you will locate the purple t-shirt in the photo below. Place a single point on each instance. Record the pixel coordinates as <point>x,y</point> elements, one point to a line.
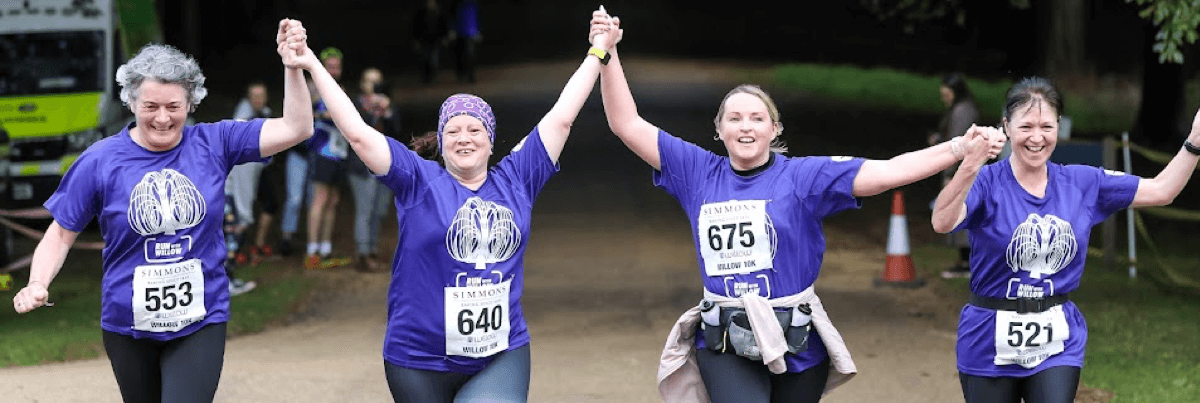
<point>456,241</point>
<point>1025,246</point>
<point>761,233</point>
<point>160,214</point>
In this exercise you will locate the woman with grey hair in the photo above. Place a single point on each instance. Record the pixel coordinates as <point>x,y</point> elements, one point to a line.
<point>157,190</point>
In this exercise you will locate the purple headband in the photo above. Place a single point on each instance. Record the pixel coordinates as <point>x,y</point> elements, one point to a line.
<point>470,105</point>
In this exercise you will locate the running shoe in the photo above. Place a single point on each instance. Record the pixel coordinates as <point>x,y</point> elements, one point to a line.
<point>239,287</point>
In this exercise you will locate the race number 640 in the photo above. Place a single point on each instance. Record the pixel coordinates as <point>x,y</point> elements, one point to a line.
<point>488,318</point>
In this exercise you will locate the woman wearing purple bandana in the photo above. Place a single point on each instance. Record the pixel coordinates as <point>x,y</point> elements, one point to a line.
<point>456,331</point>
<point>761,333</point>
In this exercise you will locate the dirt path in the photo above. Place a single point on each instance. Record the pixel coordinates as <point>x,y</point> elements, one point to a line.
<point>609,269</point>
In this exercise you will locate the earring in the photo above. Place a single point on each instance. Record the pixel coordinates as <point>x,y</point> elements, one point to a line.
<point>717,137</point>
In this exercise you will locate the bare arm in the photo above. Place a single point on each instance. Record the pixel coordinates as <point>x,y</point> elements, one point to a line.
<point>48,259</point>
<point>1162,189</point>
<point>878,176</point>
<point>296,125</point>
<point>556,125</point>
<point>370,145</point>
<point>950,208</point>
<point>639,135</point>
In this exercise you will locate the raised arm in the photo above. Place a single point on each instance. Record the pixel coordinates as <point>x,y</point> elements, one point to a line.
<point>877,176</point>
<point>370,145</point>
<point>48,259</point>
<point>950,208</point>
<point>639,135</point>
<point>296,125</point>
<point>556,125</point>
<point>1162,189</point>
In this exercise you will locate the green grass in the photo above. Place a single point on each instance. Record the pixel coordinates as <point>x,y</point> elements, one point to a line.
<point>71,329</point>
<point>904,91</point>
<point>1143,343</point>
<point>253,311</point>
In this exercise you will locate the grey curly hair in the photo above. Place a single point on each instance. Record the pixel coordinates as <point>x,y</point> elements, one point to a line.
<point>165,64</point>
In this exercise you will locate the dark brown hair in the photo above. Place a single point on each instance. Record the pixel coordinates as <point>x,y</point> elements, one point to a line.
<point>425,145</point>
<point>1030,91</point>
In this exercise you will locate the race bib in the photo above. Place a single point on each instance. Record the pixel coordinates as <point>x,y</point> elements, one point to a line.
<point>477,322</point>
<point>734,237</point>
<point>1029,339</point>
<point>168,297</point>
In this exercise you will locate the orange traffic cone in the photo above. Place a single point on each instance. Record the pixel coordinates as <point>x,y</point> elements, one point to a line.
<point>898,270</point>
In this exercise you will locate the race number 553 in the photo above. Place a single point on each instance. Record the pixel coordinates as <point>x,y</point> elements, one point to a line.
<point>168,297</point>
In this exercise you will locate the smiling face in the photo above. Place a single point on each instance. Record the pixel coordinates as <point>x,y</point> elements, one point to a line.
<point>465,146</point>
<point>747,129</point>
<point>161,110</point>
<point>1033,132</point>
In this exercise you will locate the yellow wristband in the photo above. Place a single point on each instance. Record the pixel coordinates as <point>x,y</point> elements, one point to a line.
<point>599,53</point>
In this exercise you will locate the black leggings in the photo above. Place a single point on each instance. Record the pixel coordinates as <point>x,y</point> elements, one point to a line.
<point>186,369</point>
<point>1052,385</point>
<point>504,380</point>
<point>731,378</point>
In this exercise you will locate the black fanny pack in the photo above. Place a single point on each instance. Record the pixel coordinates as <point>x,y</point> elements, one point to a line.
<point>728,329</point>
<point>1020,305</point>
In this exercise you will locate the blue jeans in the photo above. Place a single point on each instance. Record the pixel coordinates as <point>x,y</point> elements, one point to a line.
<point>371,200</point>
<point>297,189</point>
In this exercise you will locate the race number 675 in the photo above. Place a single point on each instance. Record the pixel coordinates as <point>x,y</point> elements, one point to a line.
<point>744,235</point>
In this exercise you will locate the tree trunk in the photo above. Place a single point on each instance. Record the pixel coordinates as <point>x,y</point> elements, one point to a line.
<point>1066,51</point>
<point>1161,121</point>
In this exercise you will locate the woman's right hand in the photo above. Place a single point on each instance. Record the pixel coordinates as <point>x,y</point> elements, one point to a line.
<point>33,296</point>
<point>982,144</point>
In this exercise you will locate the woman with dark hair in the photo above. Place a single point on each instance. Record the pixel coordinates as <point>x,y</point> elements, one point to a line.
<point>961,113</point>
<point>1020,337</point>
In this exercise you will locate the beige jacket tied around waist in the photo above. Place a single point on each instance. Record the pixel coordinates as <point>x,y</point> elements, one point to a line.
<point>679,376</point>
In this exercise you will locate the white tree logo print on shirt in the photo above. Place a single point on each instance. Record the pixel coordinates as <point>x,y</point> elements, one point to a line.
<point>164,202</point>
<point>1042,245</point>
<point>482,232</point>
